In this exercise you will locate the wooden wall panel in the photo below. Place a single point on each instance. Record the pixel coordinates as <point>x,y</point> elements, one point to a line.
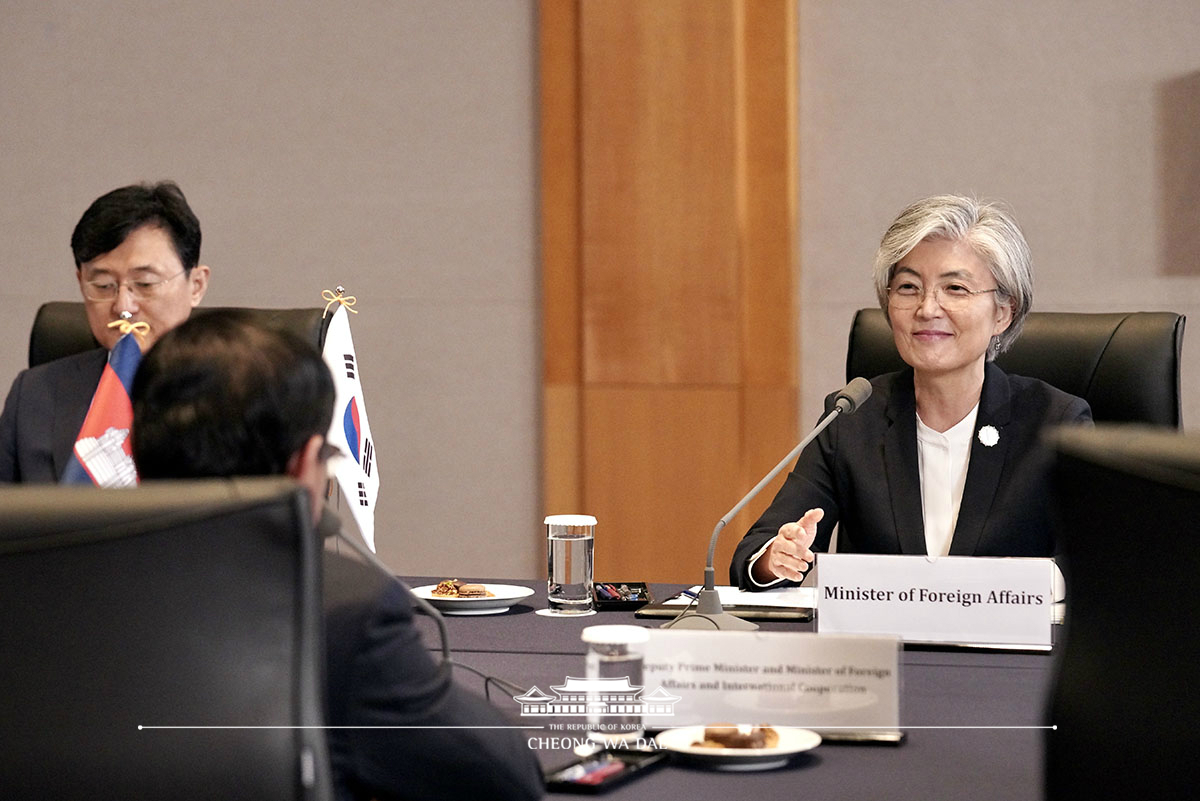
<point>767,66</point>
<point>768,193</point>
<point>659,243</point>
<point>650,473</point>
<point>562,448</point>
<point>668,248</point>
<point>768,433</point>
<point>558,52</point>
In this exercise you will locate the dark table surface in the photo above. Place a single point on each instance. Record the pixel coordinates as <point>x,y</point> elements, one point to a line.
<point>969,717</point>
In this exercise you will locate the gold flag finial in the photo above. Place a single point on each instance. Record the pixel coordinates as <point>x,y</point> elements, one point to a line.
<point>140,328</point>
<point>338,296</point>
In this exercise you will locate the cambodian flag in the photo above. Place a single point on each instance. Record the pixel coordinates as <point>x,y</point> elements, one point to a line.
<point>103,454</point>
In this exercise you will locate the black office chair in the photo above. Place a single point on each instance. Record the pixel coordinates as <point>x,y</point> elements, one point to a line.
<point>1124,694</point>
<point>1125,365</point>
<point>60,328</point>
<point>180,604</point>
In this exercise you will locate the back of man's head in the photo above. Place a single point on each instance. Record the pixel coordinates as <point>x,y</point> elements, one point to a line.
<point>221,395</point>
<point>113,216</point>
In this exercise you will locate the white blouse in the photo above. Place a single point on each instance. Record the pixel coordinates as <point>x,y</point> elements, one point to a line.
<point>942,459</point>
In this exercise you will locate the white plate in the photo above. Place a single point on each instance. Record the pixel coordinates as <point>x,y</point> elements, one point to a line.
<point>791,742</point>
<point>503,596</point>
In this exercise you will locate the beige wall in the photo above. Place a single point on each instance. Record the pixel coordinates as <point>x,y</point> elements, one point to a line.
<point>1082,114</point>
<point>386,146</point>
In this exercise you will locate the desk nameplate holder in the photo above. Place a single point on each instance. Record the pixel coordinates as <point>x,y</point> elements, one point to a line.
<point>846,688</point>
<point>968,601</point>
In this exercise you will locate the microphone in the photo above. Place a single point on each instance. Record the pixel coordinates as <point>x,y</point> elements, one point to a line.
<point>853,395</point>
<point>708,613</point>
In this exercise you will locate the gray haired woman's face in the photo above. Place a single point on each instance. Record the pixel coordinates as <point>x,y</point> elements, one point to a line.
<point>943,308</point>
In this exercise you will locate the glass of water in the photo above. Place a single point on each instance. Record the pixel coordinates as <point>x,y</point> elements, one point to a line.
<point>570,540</point>
<point>614,683</point>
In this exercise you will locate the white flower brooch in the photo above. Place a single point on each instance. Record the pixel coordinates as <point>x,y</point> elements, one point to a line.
<point>989,436</point>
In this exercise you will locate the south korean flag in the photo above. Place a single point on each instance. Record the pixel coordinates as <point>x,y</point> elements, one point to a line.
<point>358,475</point>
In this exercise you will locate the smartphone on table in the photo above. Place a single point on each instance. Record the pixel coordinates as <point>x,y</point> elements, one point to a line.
<point>603,770</point>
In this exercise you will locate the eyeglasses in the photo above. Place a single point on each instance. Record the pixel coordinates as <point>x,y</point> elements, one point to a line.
<point>140,289</point>
<point>951,297</point>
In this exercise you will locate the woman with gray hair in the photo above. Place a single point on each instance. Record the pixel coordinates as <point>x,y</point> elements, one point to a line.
<point>944,458</point>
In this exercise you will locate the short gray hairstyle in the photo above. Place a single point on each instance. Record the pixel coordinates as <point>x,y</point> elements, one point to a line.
<point>992,233</point>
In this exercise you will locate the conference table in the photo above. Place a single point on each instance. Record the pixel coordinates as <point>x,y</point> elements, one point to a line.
<point>973,719</point>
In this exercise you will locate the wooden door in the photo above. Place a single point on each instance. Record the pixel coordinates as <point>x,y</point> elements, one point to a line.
<point>668,157</point>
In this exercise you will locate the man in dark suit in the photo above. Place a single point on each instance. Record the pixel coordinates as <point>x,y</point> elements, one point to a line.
<point>137,254</point>
<point>220,396</point>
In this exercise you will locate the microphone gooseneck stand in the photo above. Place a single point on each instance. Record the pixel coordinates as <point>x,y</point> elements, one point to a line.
<point>707,612</point>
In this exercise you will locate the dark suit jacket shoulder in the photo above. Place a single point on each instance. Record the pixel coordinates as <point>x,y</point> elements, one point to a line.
<point>380,673</point>
<point>43,413</point>
<point>862,470</point>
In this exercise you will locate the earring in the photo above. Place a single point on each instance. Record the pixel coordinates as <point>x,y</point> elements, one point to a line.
<point>995,346</point>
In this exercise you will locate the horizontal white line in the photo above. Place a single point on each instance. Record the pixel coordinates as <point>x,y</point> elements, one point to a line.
<point>816,726</point>
<point>909,728</point>
<point>141,727</point>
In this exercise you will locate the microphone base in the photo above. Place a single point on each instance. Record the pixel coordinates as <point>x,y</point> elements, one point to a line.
<point>722,621</point>
<point>708,614</point>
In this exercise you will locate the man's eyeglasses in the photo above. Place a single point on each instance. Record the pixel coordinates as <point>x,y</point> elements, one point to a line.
<point>951,297</point>
<point>140,288</point>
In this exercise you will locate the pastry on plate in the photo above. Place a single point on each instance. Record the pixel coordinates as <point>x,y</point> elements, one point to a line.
<point>727,735</point>
<point>453,588</point>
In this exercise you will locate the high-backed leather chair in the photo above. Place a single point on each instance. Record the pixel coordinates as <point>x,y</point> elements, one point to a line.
<point>1124,694</point>
<point>1125,365</point>
<point>60,328</point>
<point>179,604</point>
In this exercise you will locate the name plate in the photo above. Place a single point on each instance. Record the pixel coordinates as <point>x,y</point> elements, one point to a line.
<point>962,600</point>
<point>840,686</point>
